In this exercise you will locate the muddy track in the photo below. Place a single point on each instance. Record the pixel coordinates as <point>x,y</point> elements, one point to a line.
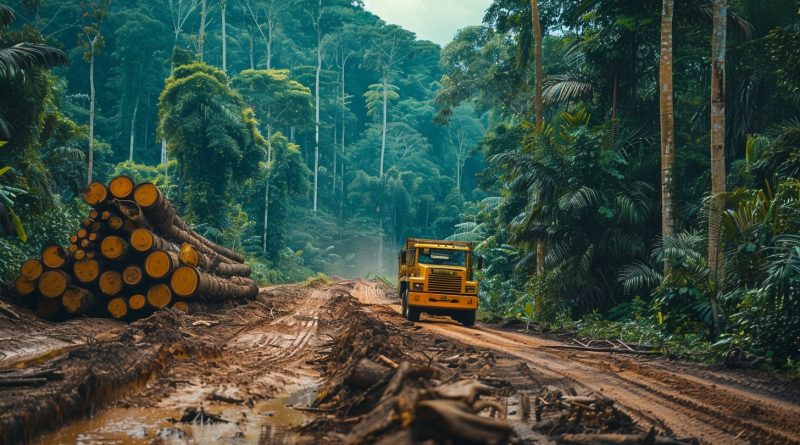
<point>687,401</point>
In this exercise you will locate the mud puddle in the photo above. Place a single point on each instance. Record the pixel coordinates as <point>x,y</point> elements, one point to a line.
<point>141,426</point>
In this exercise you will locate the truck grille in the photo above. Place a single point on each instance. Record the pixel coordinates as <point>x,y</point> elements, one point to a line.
<point>445,284</point>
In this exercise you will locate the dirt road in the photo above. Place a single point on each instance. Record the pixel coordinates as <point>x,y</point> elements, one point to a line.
<point>714,406</point>
<point>279,370</point>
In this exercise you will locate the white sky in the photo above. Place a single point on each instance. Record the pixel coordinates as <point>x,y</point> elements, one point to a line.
<point>434,20</point>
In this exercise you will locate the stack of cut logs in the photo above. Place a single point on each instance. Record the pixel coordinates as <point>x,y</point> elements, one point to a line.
<point>133,254</point>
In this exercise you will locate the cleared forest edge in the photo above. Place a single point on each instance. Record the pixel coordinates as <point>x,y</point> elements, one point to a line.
<point>335,363</point>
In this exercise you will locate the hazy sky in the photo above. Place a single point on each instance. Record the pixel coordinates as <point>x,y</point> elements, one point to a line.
<point>435,20</point>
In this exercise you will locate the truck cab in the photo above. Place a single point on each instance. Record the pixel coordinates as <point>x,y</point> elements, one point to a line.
<point>437,277</point>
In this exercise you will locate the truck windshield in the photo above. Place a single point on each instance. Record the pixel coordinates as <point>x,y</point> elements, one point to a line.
<point>443,257</point>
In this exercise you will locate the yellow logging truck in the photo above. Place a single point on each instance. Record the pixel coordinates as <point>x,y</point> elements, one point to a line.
<point>437,277</point>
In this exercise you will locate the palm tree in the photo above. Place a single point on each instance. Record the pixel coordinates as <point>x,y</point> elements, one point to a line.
<point>22,57</point>
<point>17,60</point>
<point>667,120</point>
<point>718,43</point>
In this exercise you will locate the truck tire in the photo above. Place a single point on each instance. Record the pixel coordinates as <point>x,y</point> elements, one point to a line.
<point>467,319</point>
<point>409,313</point>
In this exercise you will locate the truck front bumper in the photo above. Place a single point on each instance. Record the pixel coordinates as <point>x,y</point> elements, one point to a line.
<point>431,300</point>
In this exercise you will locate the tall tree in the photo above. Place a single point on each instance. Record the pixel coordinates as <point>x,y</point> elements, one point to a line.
<point>719,37</point>
<point>538,106</point>
<point>667,122</point>
<point>92,40</point>
<point>277,100</point>
<point>212,136</point>
<point>223,4</point>
<point>201,33</point>
<point>387,49</point>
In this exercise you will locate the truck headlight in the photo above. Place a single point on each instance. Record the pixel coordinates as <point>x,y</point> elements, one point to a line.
<point>416,286</point>
<point>469,289</point>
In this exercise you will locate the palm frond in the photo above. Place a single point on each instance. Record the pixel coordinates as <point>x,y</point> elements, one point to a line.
<point>562,88</point>
<point>24,57</point>
<point>7,16</point>
<point>639,276</point>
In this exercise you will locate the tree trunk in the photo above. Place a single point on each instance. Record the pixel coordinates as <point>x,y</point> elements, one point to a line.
<point>201,36</point>
<point>133,129</point>
<point>718,47</point>
<point>316,106</point>
<point>667,123</point>
<point>385,112</point>
<point>223,4</point>
<point>538,106</point>
<point>266,214</point>
<point>91,110</point>
<point>270,25</point>
<point>252,55</point>
<point>190,256</point>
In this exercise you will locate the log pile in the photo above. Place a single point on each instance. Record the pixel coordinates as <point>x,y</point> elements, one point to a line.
<point>133,254</point>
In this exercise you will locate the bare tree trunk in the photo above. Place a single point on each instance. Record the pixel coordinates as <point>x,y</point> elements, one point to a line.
<point>270,25</point>
<point>718,48</point>
<point>335,138</point>
<point>316,105</point>
<point>202,33</point>
<point>666,118</point>
<point>252,55</point>
<point>223,5</point>
<point>385,112</point>
<point>266,214</point>
<point>133,129</point>
<point>91,109</point>
<point>538,106</point>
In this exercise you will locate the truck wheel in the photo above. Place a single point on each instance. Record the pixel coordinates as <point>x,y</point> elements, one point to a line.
<point>467,319</point>
<point>409,313</point>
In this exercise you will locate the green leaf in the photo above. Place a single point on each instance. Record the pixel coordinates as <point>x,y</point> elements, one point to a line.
<point>18,226</point>
<point>3,143</point>
<point>4,170</point>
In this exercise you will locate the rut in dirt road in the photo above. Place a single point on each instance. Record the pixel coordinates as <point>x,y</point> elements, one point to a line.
<point>685,400</point>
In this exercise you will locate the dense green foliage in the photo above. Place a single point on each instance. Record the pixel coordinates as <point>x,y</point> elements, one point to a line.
<point>326,136</point>
<point>588,185</point>
<point>242,132</point>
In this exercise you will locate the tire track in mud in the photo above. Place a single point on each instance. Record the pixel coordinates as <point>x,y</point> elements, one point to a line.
<point>688,405</point>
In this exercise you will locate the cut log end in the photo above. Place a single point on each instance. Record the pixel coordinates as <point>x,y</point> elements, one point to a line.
<point>158,264</point>
<point>132,275</point>
<point>146,194</point>
<point>54,256</point>
<point>181,306</point>
<point>95,194</point>
<point>31,270</point>
<point>159,296</point>
<point>116,222</point>
<point>189,255</point>
<point>121,187</point>
<point>79,254</point>
<point>142,240</point>
<point>185,281</point>
<point>86,271</point>
<point>76,300</point>
<point>53,283</point>
<point>82,233</point>
<point>117,307</point>
<point>110,283</point>
<point>137,302</point>
<point>113,247</point>
<point>24,287</point>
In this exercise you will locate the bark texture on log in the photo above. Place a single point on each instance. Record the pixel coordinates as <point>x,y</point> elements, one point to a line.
<point>159,209</point>
<point>212,262</point>
<point>187,281</point>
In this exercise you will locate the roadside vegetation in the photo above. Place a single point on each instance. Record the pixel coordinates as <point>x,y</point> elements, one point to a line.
<point>573,222</point>
<point>627,169</point>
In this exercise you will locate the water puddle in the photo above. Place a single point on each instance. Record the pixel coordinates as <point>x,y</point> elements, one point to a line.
<point>138,426</point>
